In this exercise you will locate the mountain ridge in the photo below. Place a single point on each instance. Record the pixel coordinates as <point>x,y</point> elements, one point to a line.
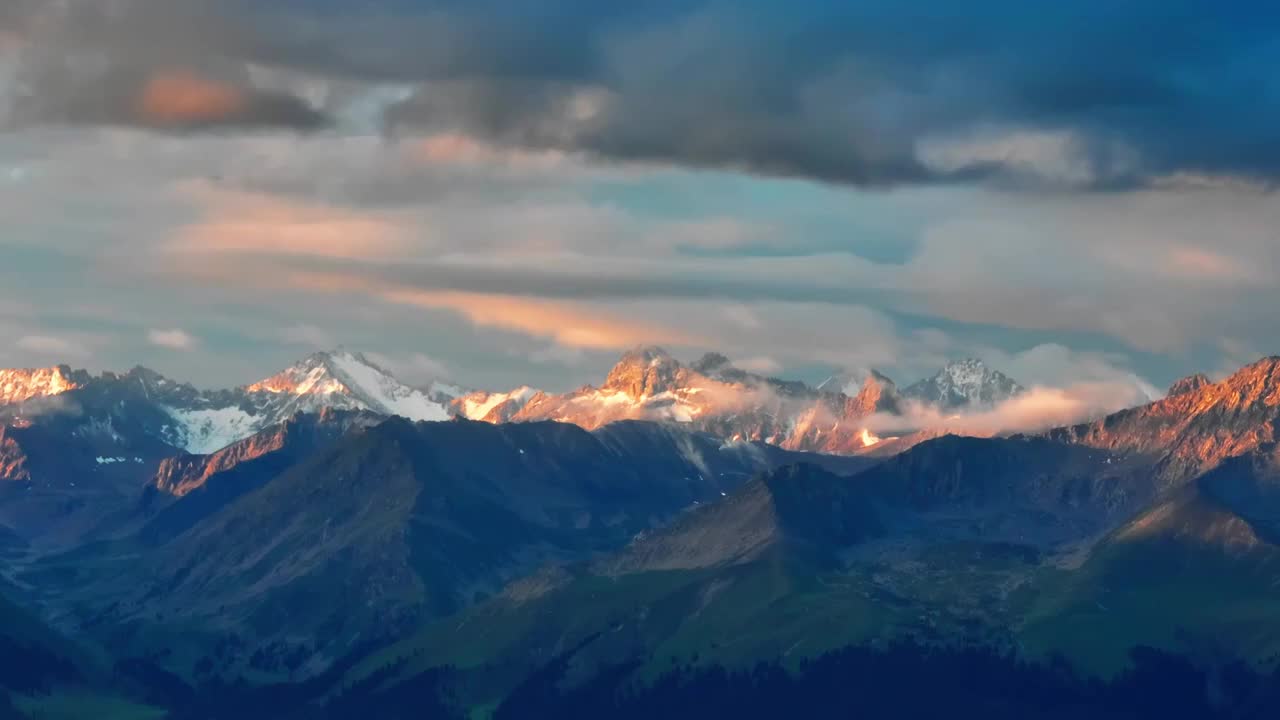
<point>647,383</point>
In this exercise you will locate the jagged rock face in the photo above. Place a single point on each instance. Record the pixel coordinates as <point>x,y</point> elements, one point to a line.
<point>646,372</point>
<point>878,394</point>
<point>1194,431</point>
<point>1194,383</point>
<point>965,385</point>
<point>22,385</point>
<point>13,461</point>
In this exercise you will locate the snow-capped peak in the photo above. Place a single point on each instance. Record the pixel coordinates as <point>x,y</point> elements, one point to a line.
<point>360,383</point>
<point>310,376</point>
<point>965,383</point>
<point>339,380</point>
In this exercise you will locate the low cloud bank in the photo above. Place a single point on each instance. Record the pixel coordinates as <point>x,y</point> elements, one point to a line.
<point>1040,408</point>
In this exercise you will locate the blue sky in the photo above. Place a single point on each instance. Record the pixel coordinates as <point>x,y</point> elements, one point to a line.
<point>517,191</point>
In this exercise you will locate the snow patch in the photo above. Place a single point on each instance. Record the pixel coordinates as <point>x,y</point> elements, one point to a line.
<point>480,409</point>
<point>384,393</point>
<point>205,431</point>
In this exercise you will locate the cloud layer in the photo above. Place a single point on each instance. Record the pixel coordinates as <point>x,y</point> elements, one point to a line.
<point>518,189</point>
<point>1090,94</point>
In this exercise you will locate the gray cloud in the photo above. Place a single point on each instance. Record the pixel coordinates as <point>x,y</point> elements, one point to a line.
<point>1091,94</point>
<point>137,64</point>
<point>1131,274</point>
<point>176,99</point>
<point>848,92</point>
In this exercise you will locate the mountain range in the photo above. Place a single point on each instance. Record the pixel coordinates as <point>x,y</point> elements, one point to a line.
<point>335,537</point>
<point>714,396</point>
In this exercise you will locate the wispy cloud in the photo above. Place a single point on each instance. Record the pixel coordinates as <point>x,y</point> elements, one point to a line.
<point>565,323</point>
<point>174,339</point>
<point>250,223</point>
<point>50,346</point>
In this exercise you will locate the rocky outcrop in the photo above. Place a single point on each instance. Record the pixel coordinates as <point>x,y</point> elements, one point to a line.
<point>1194,383</point>
<point>1194,430</point>
<point>18,386</point>
<point>13,461</point>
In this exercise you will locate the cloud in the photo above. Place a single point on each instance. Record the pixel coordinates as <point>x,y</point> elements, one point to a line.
<point>1056,365</point>
<point>308,335</point>
<point>461,149</point>
<point>1053,158</point>
<point>50,346</point>
<point>174,99</point>
<point>1040,408</point>
<point>567,324</point>
<point>710,85</point>
<point>751,267</point>
<point>248,223</point>
<point>761,364</point>
<point>852,93</point>
<point>163,66</point>
<point>172,339</point>
<point>52,405</point>
<point>1204,263</point>
<point>417,369</point>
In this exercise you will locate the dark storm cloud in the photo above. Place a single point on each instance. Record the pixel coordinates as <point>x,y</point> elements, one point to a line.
<point>1092,93</point>
<point>856,91</point>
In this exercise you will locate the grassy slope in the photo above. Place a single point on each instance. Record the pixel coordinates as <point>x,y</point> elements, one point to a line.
<point>775,608</point>
<point>1188,578</point>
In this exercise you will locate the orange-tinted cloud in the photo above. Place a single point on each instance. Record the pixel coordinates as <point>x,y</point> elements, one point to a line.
<point>566,323</point>
<point>178,98</point>
<point>1199,262</point>
<point>460,149</point>
<point>261,224</point>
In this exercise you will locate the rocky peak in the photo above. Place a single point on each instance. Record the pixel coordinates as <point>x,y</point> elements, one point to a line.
<point>963,384</point>
<point>313,374</point>
<point>878,394</point>
<point>1256,384</point>
<point>1250,390</point>
<point>1196,429</point>
<point>1194,383</point>
<point>644,372</point>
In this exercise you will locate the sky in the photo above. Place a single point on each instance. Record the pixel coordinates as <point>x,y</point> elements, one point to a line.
<point>504,192</point>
